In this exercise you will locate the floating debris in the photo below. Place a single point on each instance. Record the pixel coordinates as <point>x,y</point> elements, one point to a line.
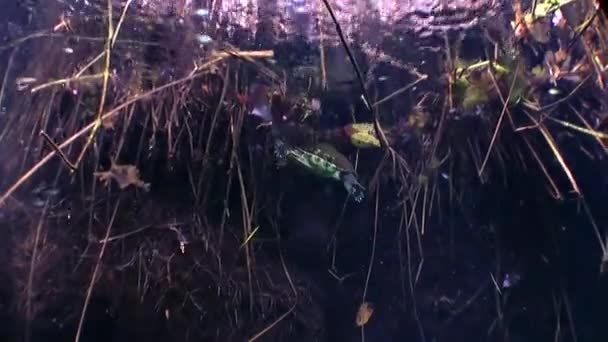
<point>124,175</point>
<point>204,39</point>
<point>366,310</point>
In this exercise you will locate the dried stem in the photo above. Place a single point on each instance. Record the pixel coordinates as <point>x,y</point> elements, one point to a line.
<point>95,272</point>
<point>108,115</point>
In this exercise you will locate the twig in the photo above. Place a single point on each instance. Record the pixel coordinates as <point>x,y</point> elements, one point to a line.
<point>122,17</point>
<point>95,271</point>
<point>244,54</point>
<point>373,252</point>
<point>7,71</point>
<point>400,90</point>
<point>47,34</point>
<point>30,278</point>
<point>67,80</point>
<point>214,120</point>
<point>586,25</point>
<point>565,98</point>
<point>371,258</point>
<point>351,57</point>
<point>596,229</point>
<point>88,65</point>
<point>104,88</point>
<point>500,119</point>
<point>54,146</point>
<point>124,235</point>
<point>107,115</point>
<point>556,193</point>
<point>322,58</point>
<point>365,94</point>
<point>246,232</point>
<point>293,288</point>
<point>466,304</point>
<point>411,281</point>
<point>557,154</point>
<point>568,312</point>
<point>591,132</point>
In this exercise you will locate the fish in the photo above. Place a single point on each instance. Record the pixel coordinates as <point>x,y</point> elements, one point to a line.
<point>204,39</point>
<point>23,83</point>
<point>201,12</point>
<point>262,111</point>
<point>256,101</point>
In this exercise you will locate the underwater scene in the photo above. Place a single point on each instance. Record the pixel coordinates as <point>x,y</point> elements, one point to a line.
<point>304,170</point>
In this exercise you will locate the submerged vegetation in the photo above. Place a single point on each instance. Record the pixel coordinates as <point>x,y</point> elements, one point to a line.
<point>174,175</point>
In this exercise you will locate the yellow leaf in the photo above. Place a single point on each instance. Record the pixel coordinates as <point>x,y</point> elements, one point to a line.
<point>365,312</point>
<point>363,135</point>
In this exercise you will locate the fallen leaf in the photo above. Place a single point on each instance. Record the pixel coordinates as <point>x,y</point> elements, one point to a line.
<point>365,312</point>
<point>124,175</point>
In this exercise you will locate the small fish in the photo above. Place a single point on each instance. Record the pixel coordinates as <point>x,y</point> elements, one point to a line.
<point>51,192</point>
<point>38,203</point>
<point>510,280</point>
<point>23,83</point>
<point>315,104</point>
<point>68,50</point>
<point>263,112</point>
<point>201,12</point>
<point>558,16</point>
<point>204,39</point>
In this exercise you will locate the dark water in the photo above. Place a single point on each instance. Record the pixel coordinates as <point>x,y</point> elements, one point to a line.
<point>506,226</point>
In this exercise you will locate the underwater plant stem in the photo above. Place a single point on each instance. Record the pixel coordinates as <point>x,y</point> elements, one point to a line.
<point>30,278</point>
<point>246,232</point>
<point>88,65</point>
<point>556,193</point>
<point>373,252</point>
<point>111,113</point>
<point>210,136</point>
<point>411,277</point>
<point>95,272</point>
<point>567,97</point>
<point>364,92</point>
<point>351,57</point>
<point>500,119</point>
<point>7,71</point>
<point>104,88</point>
<point>557,154</point>
<point>322,57</point>
<point>120,21</point>
<point>291,285</point>
<point>68,80</point>
<point>54,146</point>
<point>400,90</point>
<point>584,28</point>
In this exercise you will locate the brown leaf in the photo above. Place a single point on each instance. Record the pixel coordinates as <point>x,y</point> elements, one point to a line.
<point>124,175</point>
<point>365,312</point>
<point>107,123</point>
